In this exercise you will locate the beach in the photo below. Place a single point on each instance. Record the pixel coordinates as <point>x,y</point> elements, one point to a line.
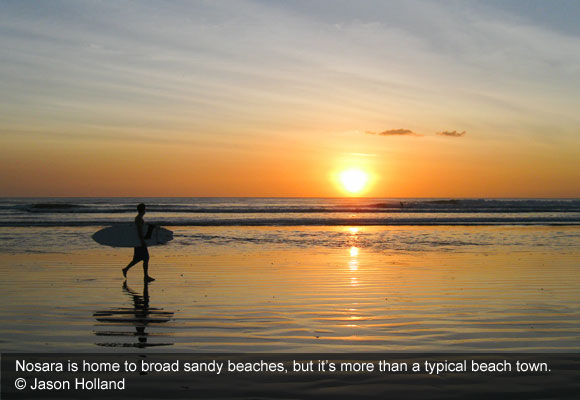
<point>482,288</point>
<point>343,200</point>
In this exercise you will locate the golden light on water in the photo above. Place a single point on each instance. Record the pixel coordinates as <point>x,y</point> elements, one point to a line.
<point>354,251</point>
<point>353,260</point>
<point>353,180</point>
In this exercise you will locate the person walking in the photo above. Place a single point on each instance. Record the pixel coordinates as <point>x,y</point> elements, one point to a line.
<point>140,252</point>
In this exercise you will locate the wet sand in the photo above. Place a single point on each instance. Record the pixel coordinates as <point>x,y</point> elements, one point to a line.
<point>284,298</point>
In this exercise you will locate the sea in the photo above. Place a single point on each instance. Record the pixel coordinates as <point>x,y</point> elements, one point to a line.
<point>294,275</point>
<point>205,211</point>
<point>286,219</point>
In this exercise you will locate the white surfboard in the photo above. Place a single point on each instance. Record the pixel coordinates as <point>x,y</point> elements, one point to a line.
<point>127,235</point>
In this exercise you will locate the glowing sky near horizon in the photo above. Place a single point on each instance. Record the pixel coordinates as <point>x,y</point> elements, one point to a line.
<point>274,98</point>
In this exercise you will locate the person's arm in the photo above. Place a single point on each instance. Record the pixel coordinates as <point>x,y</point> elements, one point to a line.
<point>139,222</point>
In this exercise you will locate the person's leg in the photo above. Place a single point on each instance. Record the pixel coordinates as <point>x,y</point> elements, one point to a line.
<point>134,261</point>
<point>128,267</point>
<point>146,276</point>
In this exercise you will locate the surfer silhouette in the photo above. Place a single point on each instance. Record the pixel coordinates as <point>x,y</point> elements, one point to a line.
<point>140,253</point>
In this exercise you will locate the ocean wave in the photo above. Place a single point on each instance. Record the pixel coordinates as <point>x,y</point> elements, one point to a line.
<point>54,206</point>
<point>471,221</point>
<point>303,206</point>
<point>290,212</point>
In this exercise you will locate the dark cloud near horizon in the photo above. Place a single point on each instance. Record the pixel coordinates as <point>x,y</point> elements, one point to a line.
<point>452,133</point>
<point>394,132</point>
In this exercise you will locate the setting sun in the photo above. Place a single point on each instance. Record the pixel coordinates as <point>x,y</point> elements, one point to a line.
<point>354,180</point>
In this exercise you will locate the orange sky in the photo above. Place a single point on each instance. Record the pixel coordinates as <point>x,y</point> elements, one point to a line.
<point>408,167</point>
<point>269,99</point>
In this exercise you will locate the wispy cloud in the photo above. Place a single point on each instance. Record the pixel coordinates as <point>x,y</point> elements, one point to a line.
<point>362,154</point>
<point>394,132</point>
<point>213,65</point>
<point>452,133</point>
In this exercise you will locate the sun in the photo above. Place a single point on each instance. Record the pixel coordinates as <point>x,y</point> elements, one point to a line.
<point>353,180</point>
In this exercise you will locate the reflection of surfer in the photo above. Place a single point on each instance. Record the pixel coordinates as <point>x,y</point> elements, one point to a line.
<point>140,253</point>
<point>140,316</point>
<point>141,305</point>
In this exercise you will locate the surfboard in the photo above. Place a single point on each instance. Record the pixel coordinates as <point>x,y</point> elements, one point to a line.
<point>127,235</point>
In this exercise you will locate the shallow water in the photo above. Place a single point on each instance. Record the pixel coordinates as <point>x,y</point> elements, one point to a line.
<point>307,289</point>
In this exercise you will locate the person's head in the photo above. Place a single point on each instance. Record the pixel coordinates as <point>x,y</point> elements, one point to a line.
<point>141,208</point>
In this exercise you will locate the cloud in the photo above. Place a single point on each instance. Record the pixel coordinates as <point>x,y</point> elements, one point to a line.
<point>452,133</point>
<point>394,132</point>
<point>362,154</point>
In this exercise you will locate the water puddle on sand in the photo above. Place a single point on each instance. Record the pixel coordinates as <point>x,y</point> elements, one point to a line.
<point>271,298</point>
<point>136,326</point>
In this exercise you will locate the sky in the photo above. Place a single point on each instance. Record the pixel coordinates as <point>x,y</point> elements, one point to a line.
<point>277,98</point>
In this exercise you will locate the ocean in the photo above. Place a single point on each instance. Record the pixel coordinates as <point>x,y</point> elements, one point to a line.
<point>290,211</point>
<point>300,222</point>
<point>294,275</point>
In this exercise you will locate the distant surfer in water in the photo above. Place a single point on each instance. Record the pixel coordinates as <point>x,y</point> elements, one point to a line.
<point>141,253</point>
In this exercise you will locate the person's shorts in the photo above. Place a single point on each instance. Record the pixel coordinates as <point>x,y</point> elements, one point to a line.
<point>141,254</point>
